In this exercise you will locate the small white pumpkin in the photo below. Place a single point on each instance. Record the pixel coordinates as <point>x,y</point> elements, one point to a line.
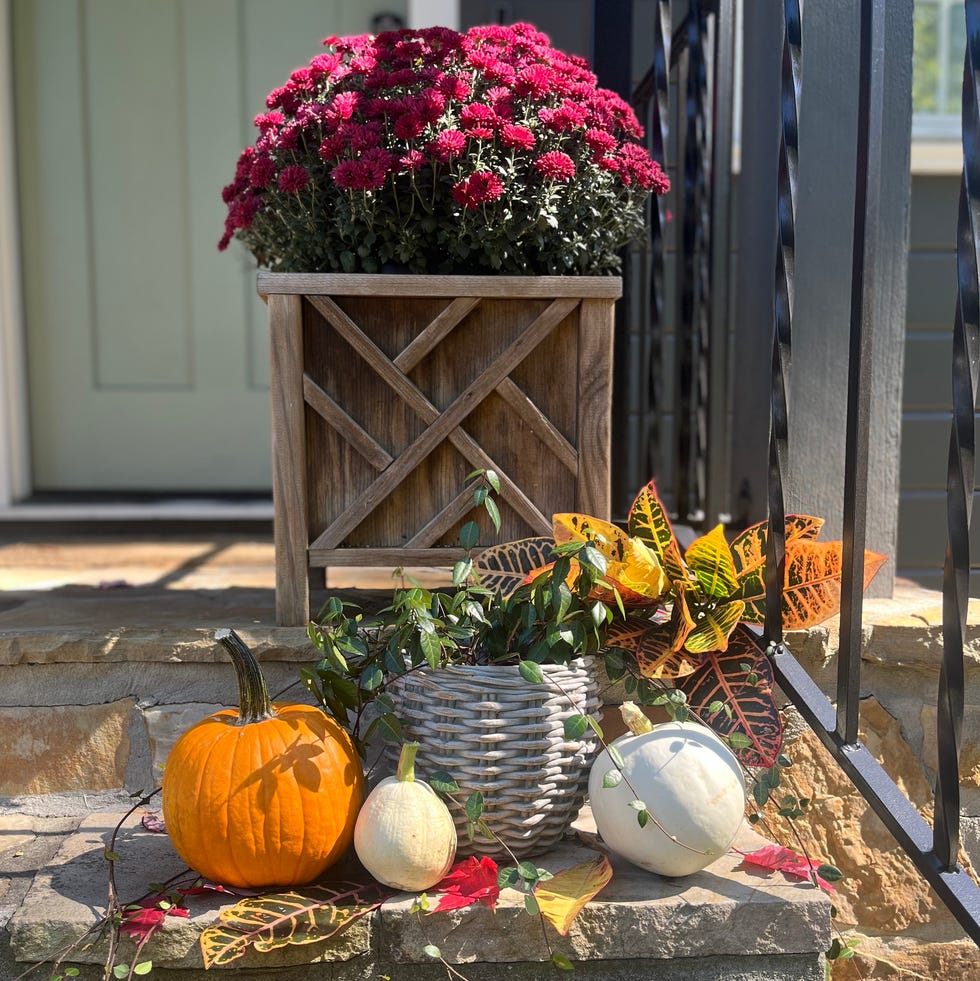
<point>404,835</point>
<point>690,783</point>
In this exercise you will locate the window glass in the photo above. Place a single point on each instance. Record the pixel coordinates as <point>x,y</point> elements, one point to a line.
<point>937,68</point>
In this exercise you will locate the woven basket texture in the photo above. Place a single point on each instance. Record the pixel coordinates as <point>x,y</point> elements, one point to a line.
<point>494,732</point>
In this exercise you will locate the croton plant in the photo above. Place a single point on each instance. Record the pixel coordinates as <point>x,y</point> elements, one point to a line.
<point>684,613</point>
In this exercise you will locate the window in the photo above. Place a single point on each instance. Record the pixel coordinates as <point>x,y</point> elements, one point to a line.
<point>939,41</point>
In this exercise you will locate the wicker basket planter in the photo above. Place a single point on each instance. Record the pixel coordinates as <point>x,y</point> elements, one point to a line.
<point>494,732</point>
<point>387,390</point>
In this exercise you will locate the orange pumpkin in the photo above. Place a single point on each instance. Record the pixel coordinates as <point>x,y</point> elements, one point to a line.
<point>262,795</point>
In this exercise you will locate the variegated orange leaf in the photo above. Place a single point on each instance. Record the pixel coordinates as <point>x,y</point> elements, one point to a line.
<point>741,679</point>
<point>505,567</point>
<point>748,548</point>
<point>811,590</point>
<point>648,521</point>
<point>562,897</point>
<point>711,632</point>
<point>710,559</point>
<point>656,646</point>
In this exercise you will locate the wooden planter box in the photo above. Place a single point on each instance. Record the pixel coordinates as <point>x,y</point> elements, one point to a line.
<point>388,390</point>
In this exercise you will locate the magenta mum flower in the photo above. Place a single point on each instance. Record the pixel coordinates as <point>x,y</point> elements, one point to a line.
<point>293,179</point>
<point>448,144</point>
<point>262,172</point>
<point>478,189</point>
<point>518,137</point>
<point>555,165</point>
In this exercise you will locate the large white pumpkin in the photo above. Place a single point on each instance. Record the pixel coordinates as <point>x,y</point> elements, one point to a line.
<point>693,790</point>
<point>404,835</point>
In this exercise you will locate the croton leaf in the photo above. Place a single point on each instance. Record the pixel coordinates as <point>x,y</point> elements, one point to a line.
<point>710,559</point>
<point>277,919</point>
<point>648,521</point>
<point>749,547</point>
<point>504,567</point>
<point>562,897</point>
<point>633,569</point>
<point>657,646</point>
<point>608,538</point>
<point>811,590</point>
<point>712,630</point>
<point>741,678</point>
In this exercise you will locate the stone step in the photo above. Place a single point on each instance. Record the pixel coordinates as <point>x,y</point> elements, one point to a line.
<point>722,924</point>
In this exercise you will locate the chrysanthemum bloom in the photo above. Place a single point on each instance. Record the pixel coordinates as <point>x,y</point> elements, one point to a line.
<point>448,144</point>
<point>293,179</point>
<point>555,165</point>
<point>518,137</point>
<point>477,189</point>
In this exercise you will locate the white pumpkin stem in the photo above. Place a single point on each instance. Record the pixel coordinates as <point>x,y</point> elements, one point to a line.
<point>406,763</point>
<point>635,720</point>
<point>254,704</point>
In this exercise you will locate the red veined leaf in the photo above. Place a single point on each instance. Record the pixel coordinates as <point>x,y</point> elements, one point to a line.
<point>612,542</point>
<point>710,560</point>
<point>656,646</point>
<point>742,679</point>
<point>473,880</point>
<point>153,823</point>
<point>648,521</point>
<point>781,859</point>
<point>142,922</point>
<point>811,591</point>
<point>505,567</point>
<point>712,631</point>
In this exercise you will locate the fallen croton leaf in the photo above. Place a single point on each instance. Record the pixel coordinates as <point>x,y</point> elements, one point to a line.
<point>470,881</point>
<point>562,897</point>
<point>781,859</point>
<point>141,919</point>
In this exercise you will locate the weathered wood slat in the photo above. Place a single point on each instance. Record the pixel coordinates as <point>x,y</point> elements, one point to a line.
<point>432,530</point>
<point>328,410</point>
<point>435,332</point>
<point>291,534</point>
<point>410,386</point>
<point>507,287</point>
<point>441,425</point>
<point>543,427</point>
<point>595,336</point>
<point>324,558</point>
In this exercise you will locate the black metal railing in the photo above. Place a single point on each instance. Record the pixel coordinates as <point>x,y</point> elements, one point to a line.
<point>933,850</point>
<point>702,189</point>
<point>675,428</point>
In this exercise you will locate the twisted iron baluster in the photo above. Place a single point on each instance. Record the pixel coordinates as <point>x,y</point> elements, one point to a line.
<point>783,315</point>
<point>658,132</point>
<point>695,292</point>
<point>961,470</point>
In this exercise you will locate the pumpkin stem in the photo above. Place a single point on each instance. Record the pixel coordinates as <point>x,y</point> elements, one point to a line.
<point>406,763</point>
<point>254,703</point>
<point>635,720</point>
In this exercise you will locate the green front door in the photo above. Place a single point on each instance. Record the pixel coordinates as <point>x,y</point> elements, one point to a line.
<point>147,349</point>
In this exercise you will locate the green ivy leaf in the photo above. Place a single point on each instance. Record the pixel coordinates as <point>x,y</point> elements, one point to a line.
<point>612,778</point>
<point>531,904</point>
<point>431,950</point>
<point>531,672</point>
<point>562,963</point>
<point>830,872</point>
<point>144,967</point>
<point>441,781</point>
<point>474,806</point>
<point>469,536</point>
<point>575,726</point>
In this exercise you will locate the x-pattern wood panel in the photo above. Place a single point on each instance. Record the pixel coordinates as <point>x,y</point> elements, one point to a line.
<point>440,425</point>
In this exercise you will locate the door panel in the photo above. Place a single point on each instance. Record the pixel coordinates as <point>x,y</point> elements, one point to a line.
<point>147,349</point>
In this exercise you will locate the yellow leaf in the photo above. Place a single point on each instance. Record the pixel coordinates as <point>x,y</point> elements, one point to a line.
<point>607,538</point>
<point>562,897</point>
<point>711,562</point>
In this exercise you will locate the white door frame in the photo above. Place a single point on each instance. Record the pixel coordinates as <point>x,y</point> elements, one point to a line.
<point>15,454</point>
<point>15,476</point>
